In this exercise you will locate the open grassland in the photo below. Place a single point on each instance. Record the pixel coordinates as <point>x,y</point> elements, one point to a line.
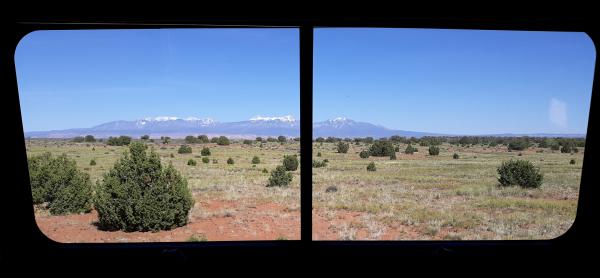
<point>234,194</point>
<point>421,197</point>
<point>415,197</point>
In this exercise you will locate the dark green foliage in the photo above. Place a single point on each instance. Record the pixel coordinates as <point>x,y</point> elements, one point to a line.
<point>554,146</point>
<point>145,137</point>
<point>259,139</point>
<point>342,147</point>
<point>205,160</point>
<point>78,139</point>
<point>393,156</point>
<point>434,150</point>
<point>518,145</point>
<point>493,144</point>
<point>319,154</point>
<point>290,162</point>
<point>568,147</point>
<point>281,139</point>
<point>247,142</point>
<point>364,154</point>
<point>297,139</point>
<point>89,138</point>
<point>165,139</point>
<point>371,167</point>
<point>381,148</point>
<point>255,160</point>
<point>264,170</point>
<point>271,139</point>
<point>455,156</point>
<point>92,162</point>
<point>139,194</point>
<point>410,149</point>
<point>184,149</point>
<point>230,161</point>
<point>519,172</point>
<point>191,162</point>
<point>190,139</point>
<point>205,152</point>
<point>223,141</point>
<point>118,141</point>
<point>280,177</point>
<point>326,160</point>
<point>320,139</point>
<point>202,139</point>
<point>318,164</point>
<point>214,140</point>
<point>172,155</point>
<point>572,161</point>
<point>396,149</point>
<point>57,180</point>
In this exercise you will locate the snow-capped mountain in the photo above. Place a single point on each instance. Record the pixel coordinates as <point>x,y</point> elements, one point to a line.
<point>256,126</point>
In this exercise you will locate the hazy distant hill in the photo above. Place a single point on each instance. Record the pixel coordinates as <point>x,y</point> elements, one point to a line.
<point>258,126</point>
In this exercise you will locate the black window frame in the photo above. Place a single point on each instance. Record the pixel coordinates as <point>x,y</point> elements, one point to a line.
<point>27,239</point>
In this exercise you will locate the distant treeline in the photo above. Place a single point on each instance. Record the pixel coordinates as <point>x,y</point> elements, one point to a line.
<point>515,141</point>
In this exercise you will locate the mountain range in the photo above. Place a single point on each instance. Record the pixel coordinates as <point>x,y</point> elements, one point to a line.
<point>175,127</point>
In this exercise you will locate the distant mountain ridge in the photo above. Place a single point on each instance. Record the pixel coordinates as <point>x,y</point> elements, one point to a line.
<point>176,127</point>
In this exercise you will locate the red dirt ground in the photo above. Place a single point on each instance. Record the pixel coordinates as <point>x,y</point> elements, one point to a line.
<point>219,221</point>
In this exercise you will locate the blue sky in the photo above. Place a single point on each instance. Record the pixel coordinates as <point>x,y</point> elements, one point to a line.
<point>84,78</point>
<point>446,81</point>
<point>455,81</point>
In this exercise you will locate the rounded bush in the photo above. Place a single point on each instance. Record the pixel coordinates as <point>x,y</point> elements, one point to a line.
<point>281,139</point>
<point>203,139</point>
<point>342,147</point>
<point>518,145</point>
<point>364,154</point>
<point>434,150</point>
<point>264,170</point>
<point>455,156</point>
<point>255,160</point>
<point>371,167</point>
<point>247,142</point>
<point>519,172</point>
<point>280,177</point>
<point>184,149</point>
<point>57,181</point>
<point>318,164</point>
<point>393,156</point>
<point>92,162</point>
<point>381,148</point>
<point>205,160</point>
<point>319,154</point>
<point>191,162</point>
<point>410,149</point>
<point>230,161</point>
<point>290,162</point>
<point>572,161</point>
<point>223,141</point>
<point>139,194</point>
<point>205,152</point>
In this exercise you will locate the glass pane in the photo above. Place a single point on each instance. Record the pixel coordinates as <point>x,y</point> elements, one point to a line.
<point>162,134</point>
<point>424,134</point>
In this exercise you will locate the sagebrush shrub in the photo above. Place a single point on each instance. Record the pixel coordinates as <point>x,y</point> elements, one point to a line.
<point>410,149</point>
<point>184,149</point>
<point>57,181</point>
<point>205,152</point>
<point>230,161</point>
<point>139,194</point>
<point>255,160</point>
<point>280,177</point>
<point>318,164</point>
<point>319,154</point>
<point>264,170</point>
<point>342,147</point>
<point>455,156</point>
<point>434,150</point>
<point>191,162</point>
<point>364,154</point>
<point>572,161</point>
<point>92,162</point>
<point>519,172</point>
<point>205,160</point>
<point>371,167</point>
<point>290,162</point>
